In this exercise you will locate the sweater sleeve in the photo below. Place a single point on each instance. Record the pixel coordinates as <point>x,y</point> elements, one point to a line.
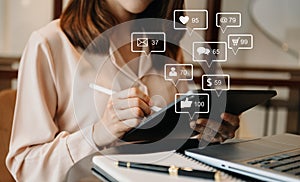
<point>38,150</point>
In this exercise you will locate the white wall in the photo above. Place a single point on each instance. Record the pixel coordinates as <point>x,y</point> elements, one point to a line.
<point>65,2</point>
<point>2,23</point>
<point>18,18</point>
<point>264,53</point>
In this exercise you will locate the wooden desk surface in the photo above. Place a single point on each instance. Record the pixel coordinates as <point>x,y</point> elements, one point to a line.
<point>81,171</point>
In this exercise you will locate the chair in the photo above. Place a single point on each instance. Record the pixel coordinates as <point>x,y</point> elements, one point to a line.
<point>7,105</point>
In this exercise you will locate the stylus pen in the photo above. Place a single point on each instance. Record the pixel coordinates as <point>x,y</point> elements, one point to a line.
<point>171,170</point>
<point>110,92</point>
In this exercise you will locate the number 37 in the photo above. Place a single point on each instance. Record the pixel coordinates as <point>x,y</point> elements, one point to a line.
<point>154,42</point>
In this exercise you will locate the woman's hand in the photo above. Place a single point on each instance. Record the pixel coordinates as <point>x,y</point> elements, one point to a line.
<point>124,111</point>
<point>225,130</point>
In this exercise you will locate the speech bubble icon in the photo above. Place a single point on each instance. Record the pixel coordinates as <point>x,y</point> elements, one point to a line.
<point>215,82</point>
<point>195,103</point>
<point>194,19</point>
<point>178,72</point>
<point>203,50</point>
<point>207,51</point>
<point>228,19</point>
<point>240,41</point>
<point>203,53</point>
<point>148,42</point>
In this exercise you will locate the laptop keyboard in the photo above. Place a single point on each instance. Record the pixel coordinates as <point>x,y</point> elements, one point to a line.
<point>286,162</point>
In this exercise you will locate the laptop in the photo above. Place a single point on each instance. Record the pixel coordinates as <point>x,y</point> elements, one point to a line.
<point>273,158</point>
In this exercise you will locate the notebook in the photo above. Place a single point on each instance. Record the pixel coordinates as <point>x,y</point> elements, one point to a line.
<point>273,158</point>
<point>106,169</point>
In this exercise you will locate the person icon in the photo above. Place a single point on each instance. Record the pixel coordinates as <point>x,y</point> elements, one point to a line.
<point>173,72</point>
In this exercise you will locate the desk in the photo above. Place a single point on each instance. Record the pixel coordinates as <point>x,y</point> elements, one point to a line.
<point>81,171</point>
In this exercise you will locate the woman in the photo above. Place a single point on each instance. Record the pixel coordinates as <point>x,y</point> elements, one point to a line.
<point>46,139</point>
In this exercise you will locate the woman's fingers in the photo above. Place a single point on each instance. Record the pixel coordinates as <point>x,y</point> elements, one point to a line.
<point>132,93</point>
<point>131,123</point>
<point>126,110</point>
<point>216,130</point>
<point>123,126</point>
<point>206,133</point>
<point>233,120</point>
<point>131,113</point>
<point>133,100</point>
<point>210,138</point>
<point>124,104</point>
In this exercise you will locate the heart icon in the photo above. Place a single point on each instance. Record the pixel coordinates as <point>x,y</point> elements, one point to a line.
<point>184,19</point>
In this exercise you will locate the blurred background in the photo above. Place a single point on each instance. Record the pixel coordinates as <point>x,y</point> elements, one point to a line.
<point>273,63</point>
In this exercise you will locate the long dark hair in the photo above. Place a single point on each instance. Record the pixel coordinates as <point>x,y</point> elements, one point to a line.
<point>84,20</point>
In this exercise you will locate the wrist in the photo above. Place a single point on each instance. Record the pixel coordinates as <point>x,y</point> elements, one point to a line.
<point>101,136</point>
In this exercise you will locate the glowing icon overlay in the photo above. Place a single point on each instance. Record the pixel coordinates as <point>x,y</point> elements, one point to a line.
<point>192,103</point>
<point>216,82</point>
<point>178,72</point>
<point>142,42</point>
<point>195,19</point>
<point>203,53</point>
<point>225,20</point>
<point>240,41</point>
<point>186,103</point>
<point>148,42</point>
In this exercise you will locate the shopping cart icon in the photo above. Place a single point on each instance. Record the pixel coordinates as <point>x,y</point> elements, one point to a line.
<point>236,41</point>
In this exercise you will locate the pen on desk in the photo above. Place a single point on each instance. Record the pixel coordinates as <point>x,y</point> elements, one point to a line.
<point>171,170</point>
<point>110,92</point>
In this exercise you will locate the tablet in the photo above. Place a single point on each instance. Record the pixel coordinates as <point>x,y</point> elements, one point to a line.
<point>171,124</point>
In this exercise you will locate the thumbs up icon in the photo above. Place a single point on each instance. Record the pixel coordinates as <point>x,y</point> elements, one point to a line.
<point>185,104</point>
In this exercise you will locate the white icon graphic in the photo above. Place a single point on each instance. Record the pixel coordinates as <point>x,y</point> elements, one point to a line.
<point>173,72</point>
<point>235,42</point>
<point>209,83</point>
<point>184,19</point>
<point>218,54</point>
<point>240,41</point>
<point>142,42</point>
<point>145,39</point>
<point>196,19</point>
<point>215,82</point>
<point>186,103</point>
<point>225,20</point>
<point>203,50</point>
<point>178,72</point>
<point>192,104</point>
